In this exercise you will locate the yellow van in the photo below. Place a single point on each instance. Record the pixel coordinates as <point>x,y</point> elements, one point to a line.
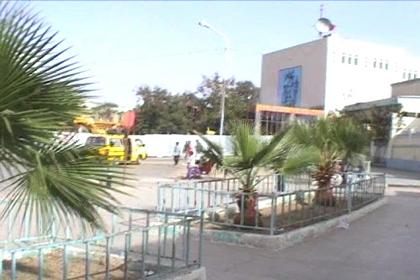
<point>112,146</point>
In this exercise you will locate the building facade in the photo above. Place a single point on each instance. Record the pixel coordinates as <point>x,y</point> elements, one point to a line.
<point>406,88</point>
<point>332,72</point>
<point>401,150</point>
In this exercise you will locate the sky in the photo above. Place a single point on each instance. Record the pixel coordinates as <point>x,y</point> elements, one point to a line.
<point>124,45</point>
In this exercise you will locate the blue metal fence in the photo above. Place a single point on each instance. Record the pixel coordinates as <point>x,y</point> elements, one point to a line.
<point>139,244</point>
<point>274,211</point>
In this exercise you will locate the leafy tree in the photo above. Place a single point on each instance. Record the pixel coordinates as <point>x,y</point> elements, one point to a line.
<point>163,112</point>
<point>378,119</point>
<point>240,97</point>
<point>105,111</point>
<point>40,92</point>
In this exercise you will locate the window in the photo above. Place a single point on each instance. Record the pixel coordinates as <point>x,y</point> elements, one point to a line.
<point>349,60</point>
<point>96,141</point>
<point>374,64</point>
<point>356,60</point>
<point>415,76</point>
<point>115,142</point>
<point>404,75</point>
<point>409,76</point>
<point>343,59</point>
<point>380,65</point>
<point>386,66</point>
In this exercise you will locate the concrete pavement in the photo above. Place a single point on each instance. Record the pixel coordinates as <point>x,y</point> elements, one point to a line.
<point>400,178</point>
<point>382,245</point>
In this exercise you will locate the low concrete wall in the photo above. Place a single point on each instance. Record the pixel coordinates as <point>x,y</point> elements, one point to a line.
<point>287,239</point>
<point>190,274</point>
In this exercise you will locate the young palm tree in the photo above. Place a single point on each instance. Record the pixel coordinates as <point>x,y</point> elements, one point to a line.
<point>251,154</point>
<point>41,91</point>
<point>323,144</point>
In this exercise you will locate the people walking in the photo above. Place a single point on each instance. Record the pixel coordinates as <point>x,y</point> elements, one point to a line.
<point>176,153</point>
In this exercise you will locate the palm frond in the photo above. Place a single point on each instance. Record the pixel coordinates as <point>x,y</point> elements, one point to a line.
<point>213,152</point>
<point>66,180</point>
<point>40,90</point>
<point>34,73</point>
<point>300,160</point>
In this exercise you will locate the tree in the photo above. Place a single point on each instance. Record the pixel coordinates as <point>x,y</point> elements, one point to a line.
<point>250,155</point>
<point>161,111</point>
<point>105,111</point>
<point>41,91</point>
<point>240,97</point>
<point>378,119</point>
<point>324,143</point>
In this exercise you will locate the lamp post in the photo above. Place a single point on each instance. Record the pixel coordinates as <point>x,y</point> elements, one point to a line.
<point>226,65</point>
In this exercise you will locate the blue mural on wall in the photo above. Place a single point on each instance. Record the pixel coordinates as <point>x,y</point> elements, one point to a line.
<point>290,80</point>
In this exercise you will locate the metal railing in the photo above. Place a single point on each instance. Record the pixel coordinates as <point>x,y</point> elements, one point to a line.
<point>139,244</point>
<point>204,194</point>
<point>274,212</point>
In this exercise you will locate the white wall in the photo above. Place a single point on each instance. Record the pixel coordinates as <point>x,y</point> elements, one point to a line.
<point>162,145</point>
<point>348,83</point>
<point>329,82</point>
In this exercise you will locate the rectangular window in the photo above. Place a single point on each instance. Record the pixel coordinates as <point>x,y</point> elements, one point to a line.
<point>343,59</point>
<point>380,65</point>
<point>355,61</point>
<point>404,75</point>
<point>349,60</point>
<point>415,76</point>
<point>409,76</point>
<point>386,66</point>
<point>374,64</point>
<point>96,141</point>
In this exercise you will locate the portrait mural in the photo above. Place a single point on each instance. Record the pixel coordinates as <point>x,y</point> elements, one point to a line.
<point>290,80</point>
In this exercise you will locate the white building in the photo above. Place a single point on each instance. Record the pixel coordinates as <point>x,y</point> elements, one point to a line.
<point>332,72</point>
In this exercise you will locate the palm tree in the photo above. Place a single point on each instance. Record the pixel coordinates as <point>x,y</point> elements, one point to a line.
<point>251,154</point>
<point>323,144</point>
<point>41,91</point>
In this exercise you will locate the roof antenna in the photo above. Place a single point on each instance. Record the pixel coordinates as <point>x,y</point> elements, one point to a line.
<point>323,25</point>
<point>321,12</point>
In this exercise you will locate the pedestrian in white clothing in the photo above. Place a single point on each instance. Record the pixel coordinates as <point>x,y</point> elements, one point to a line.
<point>176,153</point>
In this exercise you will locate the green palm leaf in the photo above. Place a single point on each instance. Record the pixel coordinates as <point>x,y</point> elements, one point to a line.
<point>40,91</point>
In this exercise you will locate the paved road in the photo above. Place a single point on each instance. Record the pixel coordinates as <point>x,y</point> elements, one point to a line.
<point>383,245</point>
<point>147,175</point>
<point>400,178</point>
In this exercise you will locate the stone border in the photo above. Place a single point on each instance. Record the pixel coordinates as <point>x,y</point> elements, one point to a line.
<point>187,274</point>
<point>287,239</point>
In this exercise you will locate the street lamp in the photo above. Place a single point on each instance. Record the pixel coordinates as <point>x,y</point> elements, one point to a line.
<point>227,61</point>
